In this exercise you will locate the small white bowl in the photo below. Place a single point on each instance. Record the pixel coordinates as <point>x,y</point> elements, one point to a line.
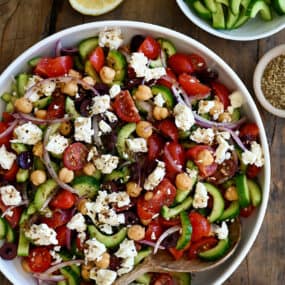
<point>258,73</point>
<point>252,30</point>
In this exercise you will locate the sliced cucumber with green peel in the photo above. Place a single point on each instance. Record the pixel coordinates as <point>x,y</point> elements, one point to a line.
<point>142,254</point>
<point>123,134</point>
<point>42,103</point>
<point>259,6</point>
<point>22,175</point>
<point>70,108</point>
<point>211,5</point>
<point>168,213</point>
<point>216,252</point>
<point>24,244</point>
<point>231,212</point>
<point>165,93</point>
<point>202,10</point>
<point>254,192</point>
<point>34,61</point>
<point>86,185</point>
<point>19,147</point>
<point>11,234</point>
<point>122,175</point>
<point>167,46</point>
<point>118,62</point>
<point>87,46</point>
<point>72,277</point>
<point>218,18</point>
<point>231,20</point>
<point>3,228</point>
<point>22,80</point>
<point>225,2</point>
<point>279,6</point>
<point>235,6</point>
<point>186,234</point>
<point>242,190</point>
<point>7,97</point>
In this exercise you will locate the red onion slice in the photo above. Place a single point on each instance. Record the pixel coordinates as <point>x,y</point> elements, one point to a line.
<point>9,129</point>
<point>69,51</point>
<point>49,278</point>
<point>61,265</point>
<point>150,243</point>
<point>167,233</point>
<point>236,138</point>
<point>58,47</point>
<point>37,121</point>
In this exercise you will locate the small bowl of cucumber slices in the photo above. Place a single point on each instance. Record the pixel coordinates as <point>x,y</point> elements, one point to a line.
<point>239,20</point>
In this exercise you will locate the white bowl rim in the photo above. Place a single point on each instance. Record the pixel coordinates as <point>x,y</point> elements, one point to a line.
<point>179,36</point>
<point>257,76</point>
<point>206,27</point>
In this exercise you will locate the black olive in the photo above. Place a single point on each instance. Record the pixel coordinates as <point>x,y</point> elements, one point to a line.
<point>136,41</point>
<point>8,251</point>
<point>102,88</point>
<point>115,262</point>
<point>131,218</point>
<point>85,107</point>
<point>25,159</point>
<point>133,83</point>
<point>171,240</point>
<point>207,75</point>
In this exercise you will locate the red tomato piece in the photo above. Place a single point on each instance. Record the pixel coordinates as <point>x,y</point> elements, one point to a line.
<point>63,200</point>
<point>56,108</point>
<point>168,129</point>
<point>201,227</point>
<point>177,254</point>
<point>14,219</point>
<point>125,107</point>
<point>154,230</point>
<point>249,132</point>
<point>246,212</point>
<point>62,234</point>
<point>155,145</point>
<point>57,219</point>
<point>201,245</point>
<point>180,63</point>
<point>97,58</point>
<point>74,156</point>
<point>150,48</point>
<point>192,153</point>
<point>5,140</point>
<point>7,117</point>
<point>169,223</point>
<point>222,92</point>
<point>198,62</point>
<point>39,259</point>
<point>169,79</point>
<point>252,171</point>
<point>10,175</point>
<point>193,87</point>
<point>79,244</point>
<point>53,67</point>
<point>163,279</point>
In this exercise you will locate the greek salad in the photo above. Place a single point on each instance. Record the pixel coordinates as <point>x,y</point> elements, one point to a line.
<point>110,152</point>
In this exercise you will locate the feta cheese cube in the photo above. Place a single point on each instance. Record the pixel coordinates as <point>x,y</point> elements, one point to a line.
<point>27,133</point>
<point>93,152</point>
<point>236,99</point>
<point>47,87</point>
<point>127,249</point>
<point>254,156</point>
<point>77,223</point>
<point>201,196</point>
<point>112,118</point>
<point>83,129</point>
<point>103,276</point>
<point>120,198</point>
<point>33,80</point>
<point>57,144</point>
<point>205,106</point>
<point>82,237</point>
<point>159,100</point>
<point>155,177</point>
<point>222,231</point>
<point>10,196</point>
<point>111,218</point>
<point>106,163</point>
<point>204,136</point>
<point>100,104</point>
<point>154,73</point>
<point>184,118</point>
<point>94,249</point>
<point>222,153</point>
<point>111,38</point>
<point>107,229</point>
<point>104,127</point>
<point>114,90</point>
<point>6,158</point>
<point>126,266</point>
<point>137,145</point>
<point>42,234</point>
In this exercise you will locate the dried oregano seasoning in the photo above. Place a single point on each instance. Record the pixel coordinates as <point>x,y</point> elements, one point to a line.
<point>273,82</point>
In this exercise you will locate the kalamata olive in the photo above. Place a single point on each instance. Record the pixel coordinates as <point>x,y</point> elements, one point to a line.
<point>115,262</point>
<point>171,240</point>
<point>131,218</point>
<point>207,75</point>
<point>136,41</point>
<point>132,83</point>
<point>88,220</point>
<point>102,88</point>
<point>109,141</point>
<point>25,159</point>
<point>85,107</point>
<point>109,186</point>
<point>131,74</point>
<point>8,251</point>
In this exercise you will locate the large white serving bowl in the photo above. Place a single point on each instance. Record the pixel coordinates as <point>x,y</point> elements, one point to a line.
<point>252,30</point>
<point>70,37</point>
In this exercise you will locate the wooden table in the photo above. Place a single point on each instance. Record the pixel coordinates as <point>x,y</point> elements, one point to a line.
<point>25,22</point>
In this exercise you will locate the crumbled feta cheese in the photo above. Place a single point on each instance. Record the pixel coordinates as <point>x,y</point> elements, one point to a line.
<point>137,144</point>
<point>100,104</point>
<point>47,87</point>
<point>42,234</point>
<point>201,135</point>
<point>224,135</point>
<point>93,152</point>
<point>6,158</point>
<point>155,177</point>
<point>104,127</point>
<point>114,90</point>
<point>221,231</point>
<point>120,198</point>
<point>94,249</point>
<point>34,94</point>
<point>106,163</point>
<point>103,276</point>
<point>236,99</point>
<point>77,223</point>
<point>10,196</point>
<point>83,129</point>
<point>111,218</point>
<point>159,100</point>
<point>192,173</point>
<point>111,38</point>
<point>127,249</point>
<point>100,204</point>
<point>33,80</point>
<point>154,73</point>
<point>112,118</point>
<point>184,118</point>
<point>201,196</point>
<point>82,237</point>
<point>126,266</point>
<point>107,229</point>
<point>57,144</point>
<point>222,153</point>
<point>254,156</point>
<point>205,106</point>
<point>27,133</point>
<point>56,257</point>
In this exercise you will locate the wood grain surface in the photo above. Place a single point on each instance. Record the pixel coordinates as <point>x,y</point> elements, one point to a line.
<point>25,22</point>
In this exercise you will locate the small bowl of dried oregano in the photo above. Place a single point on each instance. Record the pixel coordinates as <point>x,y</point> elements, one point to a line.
<point>269,81</point>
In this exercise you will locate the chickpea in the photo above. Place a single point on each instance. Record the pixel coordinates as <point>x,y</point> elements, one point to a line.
<point>81,206</point>
<point>74,73</point>
<point>103,261</point>
<point>89,169</point>
<point>205,157</point>
<point>146,222</point>
<point>70,88</point>
<point>85,271</point>
<point>136,232</point>
<point>217,109</point>
<point>225,117</point>
<point>133,189</point>
<point>38,177</point>
<point>89,80</point>
<point>107,74</point>
<point>144,129</point>
<point>41,114</point>
<point>231,194</point>
<point>23,105</point>
<point>65,128</point>
<point>160,113</point>
<point>38,149</point>
<point>66,175</point>
<point>25,265</point>
<point>148,196</point>
<point>183,181</point>
<point>143,93</point>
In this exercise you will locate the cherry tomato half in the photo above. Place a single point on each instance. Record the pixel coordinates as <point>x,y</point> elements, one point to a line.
<point>155,145</point>
<point>249,132</point>
<point>10,175</point>
<point>168,128</point>
<point>222,92</point>
<point>201,245</point>
<point>52,67</point>
<point>180,63</point>
<point>150,48</point>
<point>56,108</point>
<point>63,200</point>
<point>13,219</point>
<point>97,58</point>
<point>168,79</point>
<point>252,171</point>
<point>39,259</point>
<point>74,156</point>
<point>198,62</point>
<point>154,230</point>
<point>62,234</point>
<point>57,219</point>
<point>246,212</point>
<point>201,227</point>
<point>5,140</point>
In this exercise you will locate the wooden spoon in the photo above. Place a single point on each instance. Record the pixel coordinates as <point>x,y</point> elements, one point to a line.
<point>163,262</point>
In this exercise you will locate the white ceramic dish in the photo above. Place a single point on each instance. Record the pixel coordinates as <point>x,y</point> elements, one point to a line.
<point>258,73</point>
<point>70,37</point>
<point>252,30</point>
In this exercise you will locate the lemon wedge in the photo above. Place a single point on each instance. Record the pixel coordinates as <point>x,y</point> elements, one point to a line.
<point>94,7</point>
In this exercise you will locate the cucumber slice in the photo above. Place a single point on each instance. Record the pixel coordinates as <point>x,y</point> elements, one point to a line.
<point>7,97</point>
<point>10,107</point>
<point>167,46</point>
<point>202,10</point>
<point>166,94</point>
<point>123,134</point>
<point>19,147</point>
<point>243,191</point>
<point>11,234</point>
<point>225,2</point>
<point>86,185</point>
<point>3,228</point>
<point>24,244</point>
<point>142,254</point>
<point>22,175</point>
<point>245,3</point>
<point>157,62</point>
<point>78,63</point>
<point>231,20</point>
<point>186,234</point>
<point>218,202</point>
<point>211,5</point>
<point>22,80</point>
<point>235,6</point>
<point>123,175</point>
<point>43,103</point>
<point>216,252</point>
<point>182,278</point>
<point>118,62</point>
<point>259,6</point>
<point>168,213</point>
<point>87,46</point>
<point>72,277</point>
<point>254,192</point>
<point>230,212</point>
<point>279,6</point>
<point>34,61</point>
<point>70,108</point>
<point>218,20</point>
